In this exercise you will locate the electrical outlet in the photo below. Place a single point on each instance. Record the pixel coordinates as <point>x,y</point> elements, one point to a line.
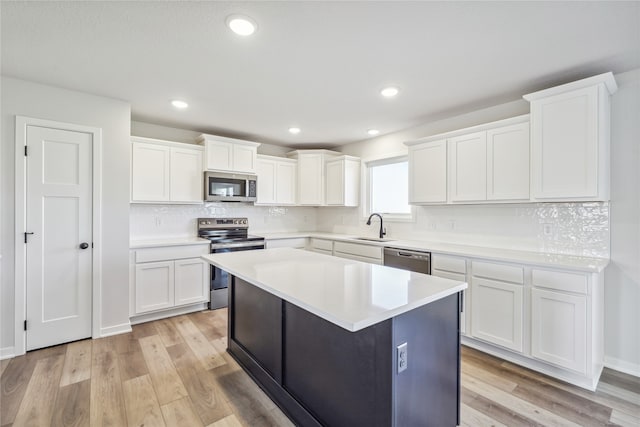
<point>402,357</point>
<point>452,225</point>
<point>158,221</point>
<point>547,229</point>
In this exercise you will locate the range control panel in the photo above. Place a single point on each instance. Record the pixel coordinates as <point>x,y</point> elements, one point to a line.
<point>222,222</point>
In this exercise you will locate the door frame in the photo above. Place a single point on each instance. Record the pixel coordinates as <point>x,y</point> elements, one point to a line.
<point>21,124</point>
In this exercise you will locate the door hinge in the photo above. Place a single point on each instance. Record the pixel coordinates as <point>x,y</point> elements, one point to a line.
<point>25,150</point>
<point>25,325</point>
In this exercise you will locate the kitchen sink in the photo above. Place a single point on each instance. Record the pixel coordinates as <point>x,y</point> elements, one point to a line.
<point>373,239</point>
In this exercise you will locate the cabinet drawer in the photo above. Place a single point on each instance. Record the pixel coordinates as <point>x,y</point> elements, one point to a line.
<point>321,251</point>
<point>561,281</point>
<point>360,250</point>
<point>448,263</point>
<point>506,273</point>
<point>326,245</point>
<point>298,243</point>
<point>170,253</point>
<point>359,258</point>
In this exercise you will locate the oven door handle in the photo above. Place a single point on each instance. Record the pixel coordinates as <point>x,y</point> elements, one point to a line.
<point>258,244</point>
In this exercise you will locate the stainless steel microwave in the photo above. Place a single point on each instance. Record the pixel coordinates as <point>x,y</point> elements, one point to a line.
<point>230,187</point>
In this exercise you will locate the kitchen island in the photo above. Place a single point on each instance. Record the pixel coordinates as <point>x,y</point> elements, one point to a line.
<point>336,342</point>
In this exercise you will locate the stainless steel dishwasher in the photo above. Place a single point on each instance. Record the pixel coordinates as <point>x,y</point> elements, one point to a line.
<point>408,260</point>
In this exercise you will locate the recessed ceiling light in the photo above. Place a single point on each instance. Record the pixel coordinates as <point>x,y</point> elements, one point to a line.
<point>179,104</point>
<point>373,132</point>
<point>241,25</point>
<point>389,92</point>
<point>294,130</point>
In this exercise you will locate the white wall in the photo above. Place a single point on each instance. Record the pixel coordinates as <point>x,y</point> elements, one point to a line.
<point>113,117</point>
<point>622,277</point>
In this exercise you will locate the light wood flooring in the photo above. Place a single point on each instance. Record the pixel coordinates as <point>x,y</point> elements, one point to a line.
<point>175,372</point>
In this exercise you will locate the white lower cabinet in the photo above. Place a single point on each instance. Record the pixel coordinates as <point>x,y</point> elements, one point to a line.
<point>321,246</point>
<point>497,304</point>
<point>191,279</point>
<point>497,312</point>
<point>454,268</point>
<point>155,285</point>
<point>168,277</point>
<point>559,329</point>
<point>358,252</point>
<point>293,242</point>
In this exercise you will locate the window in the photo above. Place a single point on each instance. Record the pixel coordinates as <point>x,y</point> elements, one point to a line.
<point>388,188</point>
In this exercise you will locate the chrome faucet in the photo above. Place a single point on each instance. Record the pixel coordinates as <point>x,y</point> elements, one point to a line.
<point>383,230</point>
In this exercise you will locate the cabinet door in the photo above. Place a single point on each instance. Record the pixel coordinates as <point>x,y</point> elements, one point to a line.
<point>559,329</point>
<point>468,167</point>
<point>267,171</point>
<point>428,173</point>
<point>244,158</point>
<point>508,163</point>
<point>496,312</point>
<point>286,183</point>
<point>311,179</point>
<point>186,175</point>
<point>219,155</point>
<point>191,281</point>
<point>154,284</point>
<point>150,172</point>
<point>335,183</point>
<point>564,145</point>
<point>465,295</point>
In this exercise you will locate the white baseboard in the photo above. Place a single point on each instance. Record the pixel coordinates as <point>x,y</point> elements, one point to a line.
<point>7,352</point>
<point>622,366</point>
<point>123,328</point>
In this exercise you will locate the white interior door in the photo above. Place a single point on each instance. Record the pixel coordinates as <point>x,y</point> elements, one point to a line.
<point>59,214</point>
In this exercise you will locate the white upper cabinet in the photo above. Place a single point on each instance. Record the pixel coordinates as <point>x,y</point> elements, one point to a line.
<point>186,175</point>
<point>150,171</point>
<point>276,181</point>
<point>488,162</point>
<point>508,162</point>
<point>165,171</point>
<point>229,155</point>
<point>570,140</point>
<point>428,173</point>
<point>311,175</point>
<point>286,181</point>
<point>468,167</point>
<point>343,181</point>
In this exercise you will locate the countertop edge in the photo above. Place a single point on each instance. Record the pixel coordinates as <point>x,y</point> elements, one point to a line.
<point>510,255</point>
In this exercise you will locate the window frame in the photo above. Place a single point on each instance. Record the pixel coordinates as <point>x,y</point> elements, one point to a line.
<point>367,164</point>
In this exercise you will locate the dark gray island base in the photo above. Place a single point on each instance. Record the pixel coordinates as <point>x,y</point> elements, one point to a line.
<point>321,374</point>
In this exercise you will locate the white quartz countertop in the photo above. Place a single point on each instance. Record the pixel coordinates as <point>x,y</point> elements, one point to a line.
<point>350,294</point>
<point>177,241</point>
<point>573,262</point>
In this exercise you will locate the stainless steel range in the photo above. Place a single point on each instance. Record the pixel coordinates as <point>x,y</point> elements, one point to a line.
<point>226,235</point>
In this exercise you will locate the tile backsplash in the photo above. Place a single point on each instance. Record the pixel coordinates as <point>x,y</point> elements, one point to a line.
<point>561,228</point>
<point>166,221</point>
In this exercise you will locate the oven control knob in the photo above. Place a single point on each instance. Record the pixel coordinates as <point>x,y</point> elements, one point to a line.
<point>244,221</point>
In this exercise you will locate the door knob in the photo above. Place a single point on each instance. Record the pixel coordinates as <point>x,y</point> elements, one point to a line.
<point>84,245</point>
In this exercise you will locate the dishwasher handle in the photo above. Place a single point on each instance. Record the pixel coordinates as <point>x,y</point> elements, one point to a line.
<point>407,254</point>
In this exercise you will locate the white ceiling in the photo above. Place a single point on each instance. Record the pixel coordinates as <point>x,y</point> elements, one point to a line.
<point>316,65</point>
